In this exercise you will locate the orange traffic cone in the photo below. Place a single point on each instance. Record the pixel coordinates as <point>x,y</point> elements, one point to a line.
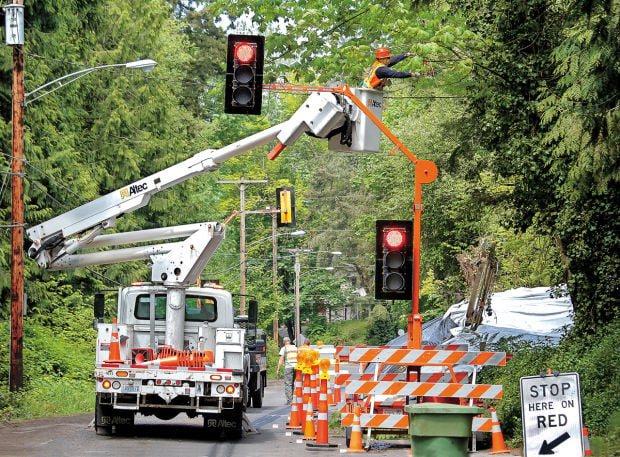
<point>330,395</point>
<point>355,444</point>
<point>497,438</point>
<point>294,420</point>
<point>586,443</point>
<point>115,348</point>
<point>309,433</point>
<point>322,433</point>
<point>304,400</point>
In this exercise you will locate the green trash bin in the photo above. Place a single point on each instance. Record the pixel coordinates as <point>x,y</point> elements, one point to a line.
<point>438,429</point>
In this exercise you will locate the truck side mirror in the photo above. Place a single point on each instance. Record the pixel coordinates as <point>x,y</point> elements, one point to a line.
<point>253,311</point>
<point>99,306</point>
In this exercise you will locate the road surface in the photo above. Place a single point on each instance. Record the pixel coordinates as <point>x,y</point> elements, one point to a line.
<point>74,436</point>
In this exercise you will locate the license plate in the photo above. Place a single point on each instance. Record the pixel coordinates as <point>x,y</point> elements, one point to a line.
<point>130,389</point>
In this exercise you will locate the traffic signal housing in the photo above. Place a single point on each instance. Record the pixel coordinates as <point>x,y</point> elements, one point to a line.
<point>285,202</point>
<point>244,74</point>
<point>394,260</point>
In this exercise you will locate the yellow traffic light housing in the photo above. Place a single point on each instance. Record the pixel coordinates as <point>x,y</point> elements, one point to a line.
<point>285,202</point>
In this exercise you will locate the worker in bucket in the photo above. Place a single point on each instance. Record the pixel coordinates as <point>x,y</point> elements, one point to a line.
<point>380,71</point>
<point>288,358</point>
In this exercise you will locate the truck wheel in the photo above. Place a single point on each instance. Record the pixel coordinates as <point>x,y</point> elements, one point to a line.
<point>257,397</point>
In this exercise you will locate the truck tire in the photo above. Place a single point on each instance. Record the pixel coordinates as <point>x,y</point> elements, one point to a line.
<point>257,397</point>
<point>347,436</point>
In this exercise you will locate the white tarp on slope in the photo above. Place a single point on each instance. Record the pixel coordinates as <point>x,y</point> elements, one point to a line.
<point>524,314</point>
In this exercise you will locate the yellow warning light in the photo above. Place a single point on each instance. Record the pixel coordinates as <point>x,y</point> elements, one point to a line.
<point>308,357</point>
<point>315,356</point>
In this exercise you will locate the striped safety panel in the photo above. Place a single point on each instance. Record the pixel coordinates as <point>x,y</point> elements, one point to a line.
<point>424,389</point>
<point>429,357</point>
<point>482,424</point>
<point>378,420</point>
<point>344,351</point>
<point>401,421</point>
<point>425,377</point>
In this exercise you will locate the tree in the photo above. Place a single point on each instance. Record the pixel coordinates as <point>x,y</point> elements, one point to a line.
<point>544,107</point>
<point>382,327</point>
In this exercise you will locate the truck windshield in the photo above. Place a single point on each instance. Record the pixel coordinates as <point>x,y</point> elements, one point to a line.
<point>196,308</point>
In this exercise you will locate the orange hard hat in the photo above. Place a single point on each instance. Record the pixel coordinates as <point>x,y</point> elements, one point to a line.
<point>382,53</point>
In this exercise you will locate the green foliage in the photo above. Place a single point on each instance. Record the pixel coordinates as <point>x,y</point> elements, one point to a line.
<point>345,333</point>
<point>273,355</point>
<point>381,328</point>
<point>540,106</point>
<point>58,364</point>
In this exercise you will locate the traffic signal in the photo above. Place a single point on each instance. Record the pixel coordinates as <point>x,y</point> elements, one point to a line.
<point>244,74</point>
<point>394,260</point>
<point>285,202</point>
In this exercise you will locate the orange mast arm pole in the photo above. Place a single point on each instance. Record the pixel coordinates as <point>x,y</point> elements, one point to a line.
<point>425,172</point>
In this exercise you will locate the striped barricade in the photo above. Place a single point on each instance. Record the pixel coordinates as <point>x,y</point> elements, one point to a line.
<point>401,421</point>
<point>426,357</point>
<point>424,389</point>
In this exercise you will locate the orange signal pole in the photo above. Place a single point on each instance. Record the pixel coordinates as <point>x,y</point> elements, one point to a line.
<point>425,172</point>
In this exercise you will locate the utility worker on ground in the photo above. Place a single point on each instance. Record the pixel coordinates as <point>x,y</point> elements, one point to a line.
<point>380,71</point>
<point>288,357</point>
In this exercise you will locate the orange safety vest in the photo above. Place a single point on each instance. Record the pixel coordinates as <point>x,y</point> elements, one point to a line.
<point>290,353</point>
<point>371,81</point>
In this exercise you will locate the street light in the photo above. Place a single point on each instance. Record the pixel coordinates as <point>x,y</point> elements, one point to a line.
<point>20,100</point>
<point>146,65</point>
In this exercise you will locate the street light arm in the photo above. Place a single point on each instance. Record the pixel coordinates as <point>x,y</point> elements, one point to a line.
<point>144,65</point>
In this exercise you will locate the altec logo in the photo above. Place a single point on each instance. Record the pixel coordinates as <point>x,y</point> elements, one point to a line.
<point>374,103</point>
<point>133,190</point>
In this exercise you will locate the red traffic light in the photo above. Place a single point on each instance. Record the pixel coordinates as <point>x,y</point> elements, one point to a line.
<point>244,52</point>
<point>244,74</point>
<point>393,260</point>
<point>395,238</point>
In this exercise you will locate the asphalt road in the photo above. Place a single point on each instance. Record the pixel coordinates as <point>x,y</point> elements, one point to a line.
<point>73,436</point>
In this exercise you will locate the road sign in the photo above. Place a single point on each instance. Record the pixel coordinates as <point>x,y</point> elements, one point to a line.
<point>551,413</point>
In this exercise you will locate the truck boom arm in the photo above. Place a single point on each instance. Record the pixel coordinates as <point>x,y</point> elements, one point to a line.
<point>319,115</point>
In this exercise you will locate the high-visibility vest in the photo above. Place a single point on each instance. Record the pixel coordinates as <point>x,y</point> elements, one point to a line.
<point>371,81</point>
<point>290,353</point>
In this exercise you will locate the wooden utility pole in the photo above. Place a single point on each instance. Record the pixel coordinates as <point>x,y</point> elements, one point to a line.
<point>16,374</point>
<point>242,182</point>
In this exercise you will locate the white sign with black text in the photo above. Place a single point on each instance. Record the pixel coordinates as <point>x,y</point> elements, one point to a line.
<point>551,413</point>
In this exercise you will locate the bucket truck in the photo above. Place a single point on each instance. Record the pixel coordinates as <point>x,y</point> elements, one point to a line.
<point>175,348</point>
